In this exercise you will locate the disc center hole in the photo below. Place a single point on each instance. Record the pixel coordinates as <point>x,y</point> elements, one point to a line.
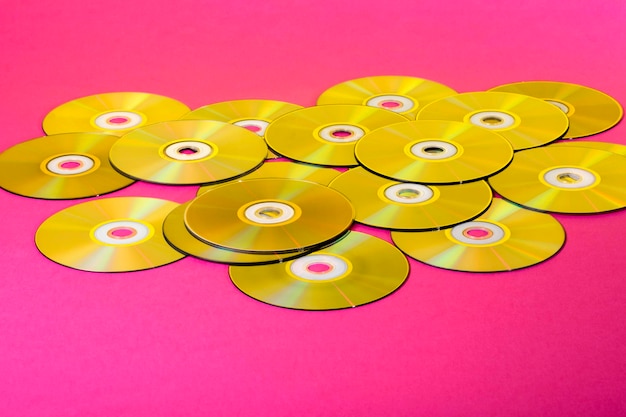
<point>121,232</point>
<point>408,193</point>
<point>188,150</point>
<point>492,120</point>
<point>269,212</point>
<point>390,104</point>
<point>118,120</point>
<point>569,178</point>
<point>433,150</point>
<point>341,134</point>
<point>70,164</point>
<point>319,267</point>
<point>477,233</point>
<point>252,128</point>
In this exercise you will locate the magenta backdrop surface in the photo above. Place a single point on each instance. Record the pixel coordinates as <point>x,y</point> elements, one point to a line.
<point>181,340</point>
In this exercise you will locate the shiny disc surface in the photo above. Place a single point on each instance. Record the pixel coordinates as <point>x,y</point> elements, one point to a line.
<point>254,115</point>
<point>188,152</point>
<point>504,238</point>
<point>433,151</point>
<point>269,215</point>
<point>109,235</point>
<point>113,113</point>
<point>564,179</point>
<point>178,236</point>
<point>589,111</point>
<point>389,204</point>
<point>356,270</point>
<point>287,170</point>
<point>526,122</point>
<point>64,166</point>
<point>400,94</point>
<point>326,135</point>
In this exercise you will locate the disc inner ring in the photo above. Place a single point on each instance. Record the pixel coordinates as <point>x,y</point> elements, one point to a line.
<point>495,120</point>
<point>393,102</point>
<point>269,213</point>
<point>319,268</point>
<point>188,150</point>
<point>409,193</point>
<point>118,120</point>
<point>569,178</point>
<point>341,133</point>
<point>254,125</point>
<point>479,233</point>
<point>122,232</point>
<point>434,150</point>
<point>566,108</point>
<point>70,164</point>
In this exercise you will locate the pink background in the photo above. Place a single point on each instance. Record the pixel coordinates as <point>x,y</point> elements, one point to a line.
<point>181,340</point>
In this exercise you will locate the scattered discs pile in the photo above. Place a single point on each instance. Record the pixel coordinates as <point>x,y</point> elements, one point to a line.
<point>393,152</point>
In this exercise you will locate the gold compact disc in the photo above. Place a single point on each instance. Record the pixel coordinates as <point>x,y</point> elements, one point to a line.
<point>356,270</point>
<point>400,94</point>
<point>109,235</point>
<point>388,204</point>
<point>326,135</point>
<point>64,166</point>
<point>288,170</point>
<point>564,180</point>
<point>434,151</point>
<point>188,152</point>
<point>269,215</point>
<point>524,121</point>
<point>504,238</point>
<point>112,113</point>
<point>178,236</point>
<point>589,111</point>
<point>254,115</point>
<point>604,146</point>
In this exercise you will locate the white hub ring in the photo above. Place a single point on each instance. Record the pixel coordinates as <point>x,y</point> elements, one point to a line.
<point>328,133</point>
<point>137,232</point>
<point>270,212</point>
<point>336,267</point>
<point>200,150</point>
<point>55,165</point>
<point>442,150</point>
<point>493,235</point>
<point>254,125</point>
<point>408,193</point>
<point>492,120</point>
<point>569,178</point>
<point>105,120</point>
<point>400,104</point>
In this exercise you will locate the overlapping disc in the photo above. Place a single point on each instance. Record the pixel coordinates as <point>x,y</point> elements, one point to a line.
<point>525,121</point>
<point>64,166</point>
<point>188,152</point>
<point>269,215</point>
<point>356,270</point>
<point>400,94</point>
<point>112,113</point>
<point>326,135</point>
<point>109,235</point>
<point>589,111</point>
<point>288,170</point>
<point>604,146</point>
<point>384,203</point>
<point>178,236</point>
<point>564,180</point>
<point>433,151</point>
<point>504,238</point>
